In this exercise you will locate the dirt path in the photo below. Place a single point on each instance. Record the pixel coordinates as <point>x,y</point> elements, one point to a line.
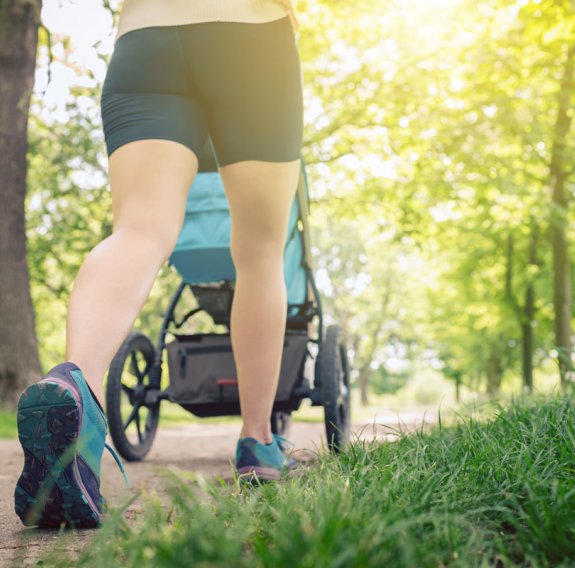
<point>205,448</point>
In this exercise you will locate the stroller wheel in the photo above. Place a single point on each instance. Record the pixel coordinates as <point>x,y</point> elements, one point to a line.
<point>335,391</point>
<point>133,414</point>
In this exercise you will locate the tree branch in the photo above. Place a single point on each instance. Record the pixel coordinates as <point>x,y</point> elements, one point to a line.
<point>50,55</point>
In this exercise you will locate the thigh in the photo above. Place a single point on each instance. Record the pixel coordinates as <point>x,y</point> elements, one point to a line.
<point>260,196</point>
<point>250,78</point>
<point>154,128</point>
<point>149,181</point>
<point>253,82</point>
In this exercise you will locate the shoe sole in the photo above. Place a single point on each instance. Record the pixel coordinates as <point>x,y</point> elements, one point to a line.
<point>254,473</point>
<point>50,492</point>
<point>259,474</point>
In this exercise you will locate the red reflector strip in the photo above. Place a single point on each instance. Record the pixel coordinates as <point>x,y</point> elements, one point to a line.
<point>227,382</point>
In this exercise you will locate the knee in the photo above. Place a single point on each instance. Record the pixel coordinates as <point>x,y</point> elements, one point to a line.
<point>158,240</point>
<point>255,254</point>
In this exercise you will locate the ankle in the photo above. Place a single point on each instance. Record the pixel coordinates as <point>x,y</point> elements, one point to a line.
<point>96,388</point>
<point>263,436</point>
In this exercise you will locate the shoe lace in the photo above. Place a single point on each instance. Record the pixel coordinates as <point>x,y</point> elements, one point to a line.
<point>115,456</point>
<point>285,445</point>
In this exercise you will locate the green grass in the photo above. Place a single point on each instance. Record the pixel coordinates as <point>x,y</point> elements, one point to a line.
<point>494,493</point>
<point>8,426</point>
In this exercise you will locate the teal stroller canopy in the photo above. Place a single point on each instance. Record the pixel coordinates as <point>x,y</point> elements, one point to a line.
<point>202,253</point>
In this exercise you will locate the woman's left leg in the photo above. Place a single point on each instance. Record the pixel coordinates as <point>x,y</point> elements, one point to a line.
<point>260,196</point>
<point>253,79</point>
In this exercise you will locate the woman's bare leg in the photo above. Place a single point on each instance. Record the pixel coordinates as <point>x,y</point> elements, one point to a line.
<point>149,181</point>
<point>260,195</point>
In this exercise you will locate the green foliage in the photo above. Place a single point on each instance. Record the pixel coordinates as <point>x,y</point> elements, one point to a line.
<point>386,382</point>
<point>472,494</point>
<point>428,141</point>
<point>8,428</point>
<point>462,121</point>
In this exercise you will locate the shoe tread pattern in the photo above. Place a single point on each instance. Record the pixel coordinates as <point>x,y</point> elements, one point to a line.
<point>47,493</point>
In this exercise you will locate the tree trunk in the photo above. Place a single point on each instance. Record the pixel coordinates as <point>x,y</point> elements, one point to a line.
<point>19,362</point>
<point>458,387</point>
<point>365,369</point>
<point>525,313</point>
<point>494,371</point>
<point>528,317</point>
<point>363,373</point>
<point>561,266</point>
<point>363,382</point>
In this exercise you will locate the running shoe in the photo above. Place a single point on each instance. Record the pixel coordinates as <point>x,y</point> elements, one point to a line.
<point>62,429</point>
<point>263,462</point>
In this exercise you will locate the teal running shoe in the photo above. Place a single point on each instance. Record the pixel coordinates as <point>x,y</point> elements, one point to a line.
<point>62,429</point>
<point>263,462</point>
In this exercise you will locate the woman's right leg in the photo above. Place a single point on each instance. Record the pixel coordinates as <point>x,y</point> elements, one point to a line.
<point>149,181</point>
<point>58,422</point>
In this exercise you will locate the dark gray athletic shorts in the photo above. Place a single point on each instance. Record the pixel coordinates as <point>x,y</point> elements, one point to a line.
<point>239,83</point>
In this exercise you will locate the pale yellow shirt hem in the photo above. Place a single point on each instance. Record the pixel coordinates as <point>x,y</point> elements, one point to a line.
<point>138,14</point>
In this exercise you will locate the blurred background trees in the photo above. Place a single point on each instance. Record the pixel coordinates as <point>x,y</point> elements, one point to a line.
<point>439,145</point>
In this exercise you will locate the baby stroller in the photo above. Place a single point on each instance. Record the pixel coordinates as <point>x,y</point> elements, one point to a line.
<point>202,374</point>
